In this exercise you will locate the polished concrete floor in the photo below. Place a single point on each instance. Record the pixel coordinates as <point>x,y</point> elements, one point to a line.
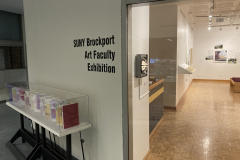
<point>206,127</point>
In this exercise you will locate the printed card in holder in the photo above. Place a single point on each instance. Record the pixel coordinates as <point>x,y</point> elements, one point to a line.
<point>70,115</point>
<point>26,97</point>
<point>14,94</point>
<point>59,119</point>
<point>42,104</point>
<point>47,102</point>
<point>9,91</point>
<point>32,100</point>
<point>17,94</point>
<point>53,106</point>
<point>37,101</point>
<point>21,100</point>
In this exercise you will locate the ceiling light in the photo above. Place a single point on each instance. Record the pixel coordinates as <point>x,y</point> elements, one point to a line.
<point>170,40</point>
<point>210,16</point>
<point>209,28</point>
<point>220,29</point>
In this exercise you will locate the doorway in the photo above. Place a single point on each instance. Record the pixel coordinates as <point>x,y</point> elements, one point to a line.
<point>157,38</point>
<point>188,45</point>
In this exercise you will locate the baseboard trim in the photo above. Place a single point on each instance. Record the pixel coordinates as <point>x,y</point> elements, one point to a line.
<point>147,156</point>
<point>218,80</point>
<point>178,104</point>
<point>169,107</point>
<point>150,136</point>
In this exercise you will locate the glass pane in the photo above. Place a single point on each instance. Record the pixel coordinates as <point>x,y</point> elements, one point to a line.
<point>11,57</point>
<point>10,26</point>
<point>62,114</point>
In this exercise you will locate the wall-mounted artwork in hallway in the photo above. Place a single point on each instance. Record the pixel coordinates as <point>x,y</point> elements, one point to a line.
<point>209,55</point>
<point>218,46</point>
<point>232,60</point>
<point>220,56</point>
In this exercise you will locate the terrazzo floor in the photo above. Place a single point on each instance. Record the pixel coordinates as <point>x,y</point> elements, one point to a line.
<point>206,126</point>
<point>9,125</point>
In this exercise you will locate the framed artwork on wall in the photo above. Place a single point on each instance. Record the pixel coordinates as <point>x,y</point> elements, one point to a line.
<point>232,60</point>
<point>218,46</point>
<point>221,56</point>
<point>209,55</point>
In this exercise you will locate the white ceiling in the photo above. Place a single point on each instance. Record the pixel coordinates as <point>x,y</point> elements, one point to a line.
<point>15,6</point>
<point>228,9</point>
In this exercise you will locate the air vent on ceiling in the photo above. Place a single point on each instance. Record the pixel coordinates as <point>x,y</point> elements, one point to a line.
<point>220,20</point>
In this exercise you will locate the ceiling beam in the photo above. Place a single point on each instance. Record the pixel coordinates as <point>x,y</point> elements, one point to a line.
<point>226,25</point>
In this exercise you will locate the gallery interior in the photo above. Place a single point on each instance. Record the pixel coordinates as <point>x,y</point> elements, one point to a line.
<point>193,52</point>
<point>181,80</point>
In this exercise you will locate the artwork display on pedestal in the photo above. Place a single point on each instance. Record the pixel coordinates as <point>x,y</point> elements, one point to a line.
<point>220,56</point>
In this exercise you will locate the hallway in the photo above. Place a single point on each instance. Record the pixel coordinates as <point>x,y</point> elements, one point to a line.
<point>205,127</point>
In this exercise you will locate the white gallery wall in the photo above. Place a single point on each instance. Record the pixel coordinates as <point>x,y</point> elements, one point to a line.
<point>51,27</point>
<point>138,43</point>
<point>184,44</point>
<point>204,41</point>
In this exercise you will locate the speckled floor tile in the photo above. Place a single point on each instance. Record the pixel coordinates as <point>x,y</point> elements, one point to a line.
<point>206,126</point>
